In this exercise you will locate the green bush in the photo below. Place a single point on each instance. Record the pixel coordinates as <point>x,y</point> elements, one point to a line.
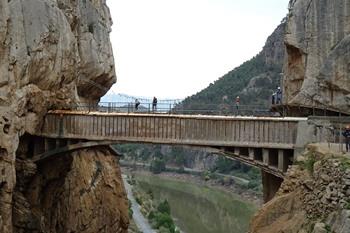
<point>157,165</point>
<point>164,207</point>
<point>138,200</point>
<point>181,170</point>
<point>161,219</point>
<point>130,212</point>
<point>309,163</point>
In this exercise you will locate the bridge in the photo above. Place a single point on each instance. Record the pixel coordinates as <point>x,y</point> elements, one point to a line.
<point>264,142</point>
<point>269,143</point>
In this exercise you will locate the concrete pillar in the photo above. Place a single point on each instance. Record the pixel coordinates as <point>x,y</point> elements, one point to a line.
<point>305,135</point>
<point>266,158</point>
<point>39,146</point>
<point>57,143</point>
<point>281,161</point>
<point>236,151</point>
<point>271,184</point>
<point>251,153</point>
<point>46,144</point>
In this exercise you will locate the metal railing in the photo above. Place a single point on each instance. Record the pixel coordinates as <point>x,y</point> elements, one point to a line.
<point>207,109</point>
<point>166,108</point>
<point>329,131</point>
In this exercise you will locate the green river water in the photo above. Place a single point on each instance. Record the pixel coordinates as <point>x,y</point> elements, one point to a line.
<point>200,209</point>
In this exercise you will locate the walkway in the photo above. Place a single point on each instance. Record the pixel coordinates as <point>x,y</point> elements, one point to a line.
<point>264,142</point>
<point>139,219</point>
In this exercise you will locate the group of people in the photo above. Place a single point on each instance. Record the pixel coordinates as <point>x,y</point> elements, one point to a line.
<point>154,104</point>
<point>276,98</point>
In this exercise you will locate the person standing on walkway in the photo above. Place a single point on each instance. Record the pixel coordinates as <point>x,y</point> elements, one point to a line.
<point>154,104</point>
<point>346,135</point>
<point>137,103</point>
<point>237,102</point>
<point>273,98</point>
<point>279,96</point>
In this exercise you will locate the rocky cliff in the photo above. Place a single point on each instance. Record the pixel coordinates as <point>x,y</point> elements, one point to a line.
<point>316,69</point>
<point>314,197</point>
<point>54,54</point>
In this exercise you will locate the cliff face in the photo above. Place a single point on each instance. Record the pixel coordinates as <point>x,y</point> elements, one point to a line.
<point>54,53</point>
<point>314,197</point>
<point>316,70</point>
<point>77,192</point>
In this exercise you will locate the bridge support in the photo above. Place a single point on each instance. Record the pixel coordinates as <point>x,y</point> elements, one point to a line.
<point>271,184</point>
<point>45,148</point>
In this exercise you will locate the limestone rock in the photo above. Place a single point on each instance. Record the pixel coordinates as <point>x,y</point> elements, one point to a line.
<point>340,221</point>
<point>53,54</point>
<point>316,68</point>
<point>307,197</point>
<point>83,192</point>
<point>274,50</point>
<point>320,228</point>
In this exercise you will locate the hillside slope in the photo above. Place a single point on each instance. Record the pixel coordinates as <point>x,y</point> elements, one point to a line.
<point>254,81</point>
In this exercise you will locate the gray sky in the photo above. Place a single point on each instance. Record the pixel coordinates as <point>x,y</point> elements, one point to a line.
<point>175,48</point>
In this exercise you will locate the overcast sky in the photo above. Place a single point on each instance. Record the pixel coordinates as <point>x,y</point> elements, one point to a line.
<point>175,48</point>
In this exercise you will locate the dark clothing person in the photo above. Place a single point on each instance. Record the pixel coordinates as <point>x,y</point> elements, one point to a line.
<point>279,96</point>
<point>137,103</point>
<point>154,104</point>
<point>346,135</point>
<point>273,98</point>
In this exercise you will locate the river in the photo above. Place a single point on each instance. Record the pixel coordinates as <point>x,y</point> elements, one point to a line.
<point>198,208</point>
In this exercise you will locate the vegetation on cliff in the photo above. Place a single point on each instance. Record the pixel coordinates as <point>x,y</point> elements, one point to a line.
<point>254,81</point>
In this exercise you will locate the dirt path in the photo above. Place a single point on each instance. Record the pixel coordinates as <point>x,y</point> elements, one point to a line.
<point>139,219</point>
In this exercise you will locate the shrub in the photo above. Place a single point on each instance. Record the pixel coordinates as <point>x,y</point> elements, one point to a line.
<point>157,165</point>
<point>164,207</point>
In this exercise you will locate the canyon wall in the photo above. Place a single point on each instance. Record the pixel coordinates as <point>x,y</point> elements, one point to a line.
<point>314,196</point>
<point>316,68</point>
<point>55,54</point>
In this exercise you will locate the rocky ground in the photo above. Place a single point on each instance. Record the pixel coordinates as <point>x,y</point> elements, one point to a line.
<point>314,197</point>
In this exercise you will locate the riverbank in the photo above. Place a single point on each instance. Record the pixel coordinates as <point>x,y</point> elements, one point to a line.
<point>244,194</point>
<point>198,208</point>
<point>140,221</point>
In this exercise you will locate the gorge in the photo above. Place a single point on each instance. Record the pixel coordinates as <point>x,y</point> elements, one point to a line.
<point>56,54</point>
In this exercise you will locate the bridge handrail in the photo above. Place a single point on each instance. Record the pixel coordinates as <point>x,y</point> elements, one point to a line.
<point>146,107</point>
